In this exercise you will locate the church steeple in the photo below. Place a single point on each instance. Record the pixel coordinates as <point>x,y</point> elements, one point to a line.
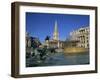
<point>55,34</point>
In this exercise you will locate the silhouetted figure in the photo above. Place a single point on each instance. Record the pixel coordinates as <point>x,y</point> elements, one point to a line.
<point>47,38</point>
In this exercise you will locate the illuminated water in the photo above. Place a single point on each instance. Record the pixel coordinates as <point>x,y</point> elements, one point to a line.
<point>60,59</point>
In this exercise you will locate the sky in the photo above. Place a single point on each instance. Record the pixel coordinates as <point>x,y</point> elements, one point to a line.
<point>42,24</point>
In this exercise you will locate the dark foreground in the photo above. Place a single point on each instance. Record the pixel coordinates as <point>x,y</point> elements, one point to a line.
<point>58,59</point>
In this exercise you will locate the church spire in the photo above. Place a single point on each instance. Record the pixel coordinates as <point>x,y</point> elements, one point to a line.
<point>56,29</point>
<point>55,34</point>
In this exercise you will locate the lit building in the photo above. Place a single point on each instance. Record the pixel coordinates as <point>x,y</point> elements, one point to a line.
<point>81,36</point>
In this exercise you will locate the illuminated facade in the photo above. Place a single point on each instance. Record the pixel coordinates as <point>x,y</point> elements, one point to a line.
<point>82,36</point>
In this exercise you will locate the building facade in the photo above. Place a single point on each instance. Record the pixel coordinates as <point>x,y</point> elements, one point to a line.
<point>81,35</point>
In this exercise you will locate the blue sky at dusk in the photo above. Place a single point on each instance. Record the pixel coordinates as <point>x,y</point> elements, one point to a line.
<point>42,24</point>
